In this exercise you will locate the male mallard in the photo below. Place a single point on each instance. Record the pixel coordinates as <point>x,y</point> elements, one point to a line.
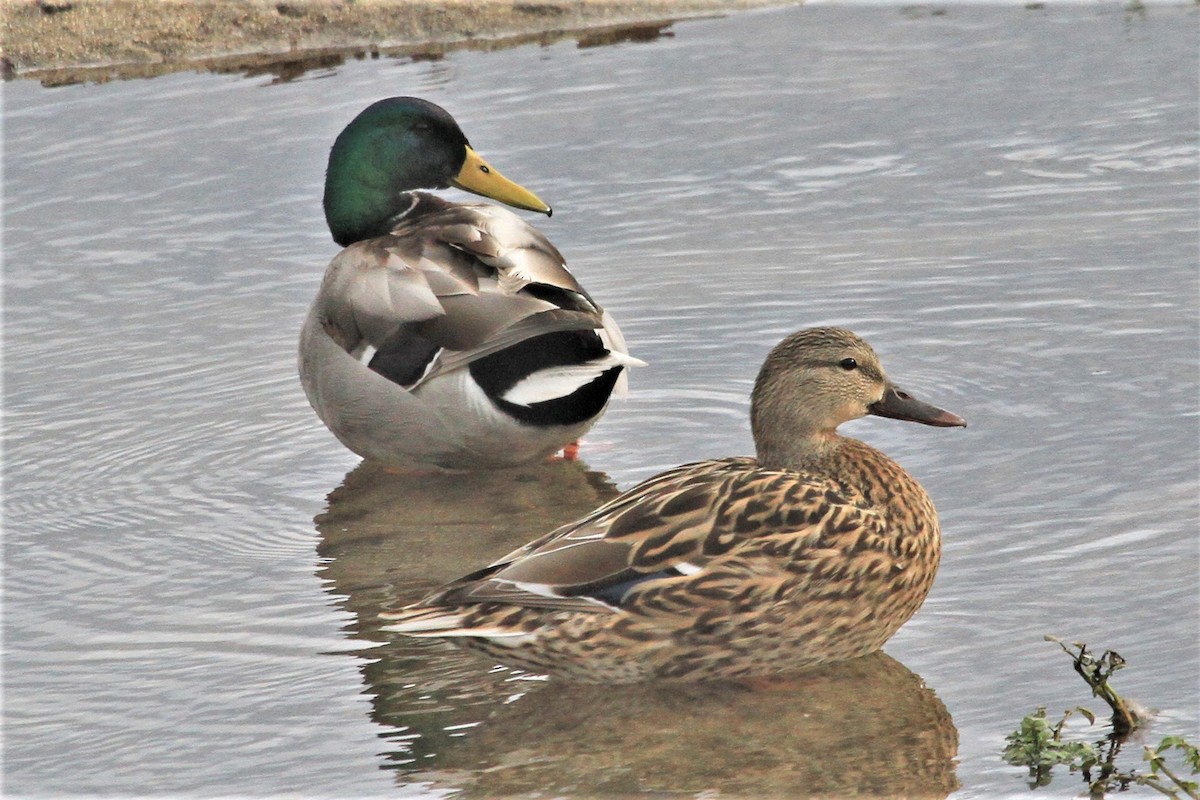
<point>447,335</point>
<point>817,550</point>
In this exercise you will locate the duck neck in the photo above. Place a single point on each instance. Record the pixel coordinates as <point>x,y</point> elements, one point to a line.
<point>361,204</point>
<point>798,450</point>
<point>372,168</point>
<point>789,434</point>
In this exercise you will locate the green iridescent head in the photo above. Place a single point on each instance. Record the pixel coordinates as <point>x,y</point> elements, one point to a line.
<point>398,145</point>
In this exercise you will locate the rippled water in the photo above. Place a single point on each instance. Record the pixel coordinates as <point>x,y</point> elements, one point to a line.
<point>1002,200</point>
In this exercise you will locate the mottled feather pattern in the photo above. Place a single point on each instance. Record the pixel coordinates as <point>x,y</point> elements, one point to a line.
<point>766,539</point>
<point>817,550</point>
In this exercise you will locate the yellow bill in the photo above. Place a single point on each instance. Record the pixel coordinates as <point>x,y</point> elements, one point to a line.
<point>480,177</point>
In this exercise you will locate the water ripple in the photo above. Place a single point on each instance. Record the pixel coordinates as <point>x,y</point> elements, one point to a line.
<point>1002,201</point>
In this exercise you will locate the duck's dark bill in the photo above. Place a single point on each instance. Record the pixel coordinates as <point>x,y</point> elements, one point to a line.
<point>480,177</point>
<point>899,404</point>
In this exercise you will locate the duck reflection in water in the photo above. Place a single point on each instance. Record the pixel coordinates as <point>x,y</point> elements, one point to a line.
<point>389,536</point>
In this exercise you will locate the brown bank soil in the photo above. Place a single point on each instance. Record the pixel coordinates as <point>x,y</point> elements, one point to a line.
<point>71,41</point>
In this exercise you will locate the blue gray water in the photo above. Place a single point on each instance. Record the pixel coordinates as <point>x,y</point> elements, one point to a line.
<point>1003,200</point>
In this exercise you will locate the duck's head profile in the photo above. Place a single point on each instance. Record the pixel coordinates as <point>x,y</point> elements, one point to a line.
<point>812,382</point>
<point>397,145</point>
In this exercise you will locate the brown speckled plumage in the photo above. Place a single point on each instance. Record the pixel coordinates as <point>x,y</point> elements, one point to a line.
<point>817,550</point>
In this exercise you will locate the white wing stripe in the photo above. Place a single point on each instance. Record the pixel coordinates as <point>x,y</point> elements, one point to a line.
<point>555,382</point>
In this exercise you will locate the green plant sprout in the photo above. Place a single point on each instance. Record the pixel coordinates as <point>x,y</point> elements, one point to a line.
<point>1040,746</point>
<point>1096,672</point>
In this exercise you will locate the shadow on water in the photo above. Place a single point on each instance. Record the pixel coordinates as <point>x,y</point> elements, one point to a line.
<point>866,727</point>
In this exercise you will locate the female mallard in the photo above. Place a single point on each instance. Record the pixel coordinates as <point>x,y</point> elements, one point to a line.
<point>447,335</point>
<point>817,550</point>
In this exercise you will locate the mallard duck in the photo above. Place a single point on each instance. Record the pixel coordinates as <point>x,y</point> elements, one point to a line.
<point>816,550</point>
<point>447,336</point>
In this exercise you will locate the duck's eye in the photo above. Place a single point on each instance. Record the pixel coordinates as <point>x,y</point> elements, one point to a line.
<point>848,364</point>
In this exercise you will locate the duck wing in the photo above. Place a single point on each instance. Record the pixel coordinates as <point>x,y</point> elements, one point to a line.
<point>713,525</point>
<point>452,283</point>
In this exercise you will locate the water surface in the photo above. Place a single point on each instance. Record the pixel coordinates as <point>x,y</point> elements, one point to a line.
<point>1002,200</point>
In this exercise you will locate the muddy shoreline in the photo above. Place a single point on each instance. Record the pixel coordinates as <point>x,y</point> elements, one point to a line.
<point>72,41</point>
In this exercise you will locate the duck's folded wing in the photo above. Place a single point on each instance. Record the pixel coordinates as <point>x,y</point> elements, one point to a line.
<point>449,286</point>
<point>518,253</point>
<point>694,523</point>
